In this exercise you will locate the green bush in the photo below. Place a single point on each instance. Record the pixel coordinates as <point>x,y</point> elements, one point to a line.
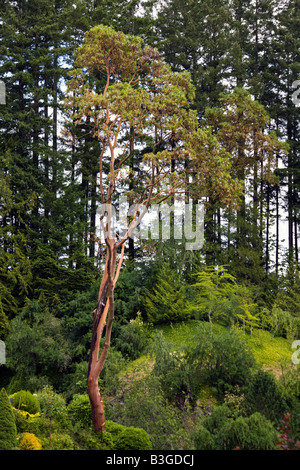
<point>133,439</point>
<point>204,439</point>
<point>264,395</point>
<point>101,441</point>
<point>59,441</point>
<point>224,430</point>
<point>24,420</point>
<point>25,400</point>
<point>114,428</point>
<point>80,411</point>
<point>145,406</point>
<point>221,360</point>
<point>132,339</point>
<point>8,429</point>
<point>171,368</point>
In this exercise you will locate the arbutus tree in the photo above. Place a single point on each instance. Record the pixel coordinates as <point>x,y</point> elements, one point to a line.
<point>125,94</point>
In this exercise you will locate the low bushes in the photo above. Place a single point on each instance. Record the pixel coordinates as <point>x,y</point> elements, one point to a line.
<point>133,439</point>
<point>224,430</point>
<point>29,442</point>
<point>26,401</point>
<point>8,429</point>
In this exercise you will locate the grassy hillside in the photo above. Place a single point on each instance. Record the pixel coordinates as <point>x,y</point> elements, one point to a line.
<point>269,351</point>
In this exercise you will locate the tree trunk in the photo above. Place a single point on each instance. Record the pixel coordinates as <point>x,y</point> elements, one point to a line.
<point>105,306</point>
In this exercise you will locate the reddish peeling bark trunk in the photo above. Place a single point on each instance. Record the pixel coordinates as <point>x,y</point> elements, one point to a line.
<point>104,308</point>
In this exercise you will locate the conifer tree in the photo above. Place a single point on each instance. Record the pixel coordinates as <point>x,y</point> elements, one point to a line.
<point>8,429</point>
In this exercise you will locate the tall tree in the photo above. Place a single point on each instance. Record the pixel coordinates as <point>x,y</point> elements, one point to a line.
<point>143,95</point>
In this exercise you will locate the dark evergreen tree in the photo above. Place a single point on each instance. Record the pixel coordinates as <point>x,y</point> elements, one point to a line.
<point>8,429</point>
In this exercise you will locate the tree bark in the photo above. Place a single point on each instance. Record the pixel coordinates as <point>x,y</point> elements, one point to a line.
<point>104,307</point>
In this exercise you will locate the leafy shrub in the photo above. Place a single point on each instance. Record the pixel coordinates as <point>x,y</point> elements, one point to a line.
<point>204,440</point>
<point>8,429</point>
<point>145,406</point>
<point>132,339</point>
<point>171,368</point>
<point>51,403</point>
<point>224,430</point>
<point>132,438</point>
<point>109,378</point>
<point>59,441</point>
<point>29,442</point>
<point>25,400</point>
<point>253,433</point>
<point>114,428</point>
<point>283,324</point>
<point>264,395</point>
<point>221,360</point>
<point>100,441</point>
<point>80,410</point>
<point>23,419</point>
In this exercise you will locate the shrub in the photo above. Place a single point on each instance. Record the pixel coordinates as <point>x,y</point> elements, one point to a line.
<point>114,364</point>
<point>114,428</point>
<point>171,368</point>
<point>221,360</point>
<point>253,433</point>
<point>132,339</point>
<point>59,441</point>
<point>8,429</point>
<point>224,430</point>
<point>25,400</point>
<point>264,395</point>
<point>30,442</point>
<point>146,407</point>
<point>133,439</point>
<point>23,419</point>
<point>204,439</point>
<point>80,411</point>
<point>102,441</point>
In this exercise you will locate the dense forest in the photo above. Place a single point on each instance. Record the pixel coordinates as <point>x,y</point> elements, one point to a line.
<point>157,102</point>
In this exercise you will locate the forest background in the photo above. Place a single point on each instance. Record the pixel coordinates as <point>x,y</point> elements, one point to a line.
<point>243,59</point>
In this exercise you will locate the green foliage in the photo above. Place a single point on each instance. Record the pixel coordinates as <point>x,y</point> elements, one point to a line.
<point>59,441</point>
<point>75,316</point>
<point>130,291</point>
<point>221,360</point>
<point>264,395</point>
<point>51,403</point>
<point>8,430</point>
<point>145,406</point>
<point>171,368</point>
<point>132,338</point>
<point>282,323</point>
<point>110,376</point>
<point>37,349</point>
<point>113,428</point>
<point>4,326</point>
<point>167,302</point>
<point>25,400</point>
<point>80,411</point>
<point>224,430</point>
<point>217,296</point>
<point>132,438</point>
<point>210,292</point>
<point>290,383</point>
<point>102,441</point>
